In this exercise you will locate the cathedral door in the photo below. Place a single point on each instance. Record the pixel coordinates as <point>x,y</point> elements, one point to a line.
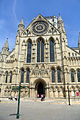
<point>40,89</point>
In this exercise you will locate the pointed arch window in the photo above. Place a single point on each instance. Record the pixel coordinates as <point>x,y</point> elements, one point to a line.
<point>27,75</point>
<point>53,75</point>
<point>78,75</point>
<point>59,75</point>
<point>6,77</point>
<point>40,50</point>
<point>72,76</point>
<point>29,51</point>
<point>22,76</point>
<point>11,77</point>
<point>51,50</point>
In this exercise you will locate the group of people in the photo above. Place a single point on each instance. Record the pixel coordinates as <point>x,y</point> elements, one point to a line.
<point>41,96</point>
<point>11,98</point>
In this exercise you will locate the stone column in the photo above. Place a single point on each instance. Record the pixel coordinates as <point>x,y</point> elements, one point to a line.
<point>8,78</point>
<point>47,91</point>
<point>14,78</point>
<point>0,78</point>
<point>3,78</point>
<point>33,90</point>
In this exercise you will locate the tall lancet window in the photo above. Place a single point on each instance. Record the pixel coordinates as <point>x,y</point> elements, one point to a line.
<point>51,50</point>
<point>6,77</point>
<point>40,50</point>
<point>53,75</point>
<point>78,75</point>
<point>59,75</point>
<point>29,51</point>
<point>22,76</point>
<point>27,75</point>
<point>11,77</point>
<point>72,76</point>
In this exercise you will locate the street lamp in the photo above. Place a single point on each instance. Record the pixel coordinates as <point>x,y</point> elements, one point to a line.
<point>18,101</point>
<point>68,93</point>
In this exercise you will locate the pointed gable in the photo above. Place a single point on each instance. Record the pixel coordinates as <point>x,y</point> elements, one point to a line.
<point>39,26</point>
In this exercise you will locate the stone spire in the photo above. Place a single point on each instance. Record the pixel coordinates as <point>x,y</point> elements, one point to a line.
<point>60,24</point>
<point>21,25</point>
<point>79,42</point>
<point>6,45</point>
<point>60,19</point>
<point>22,22</point>
<point>5,49</point>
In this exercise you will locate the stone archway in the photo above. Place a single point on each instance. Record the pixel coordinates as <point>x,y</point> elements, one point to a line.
<point>40,89</point>
<point>40,86</point>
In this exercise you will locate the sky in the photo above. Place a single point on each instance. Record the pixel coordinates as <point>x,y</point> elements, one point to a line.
<point>11,12</point>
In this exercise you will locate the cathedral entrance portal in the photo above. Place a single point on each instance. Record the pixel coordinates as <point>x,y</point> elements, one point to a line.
<point>40,86</point>
<point>40,89</point>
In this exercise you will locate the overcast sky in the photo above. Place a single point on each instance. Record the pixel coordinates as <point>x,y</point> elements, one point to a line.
<point>11,12</point>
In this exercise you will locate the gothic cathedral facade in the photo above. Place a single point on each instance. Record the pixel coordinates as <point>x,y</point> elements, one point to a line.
<point>41,61</point>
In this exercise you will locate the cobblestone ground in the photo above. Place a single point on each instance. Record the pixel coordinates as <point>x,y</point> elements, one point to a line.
<point>39,111</point>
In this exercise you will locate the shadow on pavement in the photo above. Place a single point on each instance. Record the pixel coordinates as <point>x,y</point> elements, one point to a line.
<point>12,114</point>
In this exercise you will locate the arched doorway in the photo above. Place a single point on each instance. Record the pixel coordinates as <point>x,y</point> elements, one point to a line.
<point>40,89</point>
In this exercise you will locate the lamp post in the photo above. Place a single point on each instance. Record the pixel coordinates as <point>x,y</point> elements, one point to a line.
<point>18,101</point>
<point>68,93</point>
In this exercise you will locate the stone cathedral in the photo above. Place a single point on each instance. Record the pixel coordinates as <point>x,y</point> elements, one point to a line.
<point>41,61</point>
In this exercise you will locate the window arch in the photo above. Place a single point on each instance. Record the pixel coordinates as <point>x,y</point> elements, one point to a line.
<point>40,50</point>
<point>51,50</point>
<point>22,76</point>
<point>29,46</point>
<point>6,77</point>
<point>27,75</point>
<point>53,75</point>
<point>78,75</point>
<point>59,75</point>
<point>72,75</point>
<point>11,77</point>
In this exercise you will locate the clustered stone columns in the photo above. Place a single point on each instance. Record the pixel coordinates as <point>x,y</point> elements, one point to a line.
<point>47,90</point>
<point>32,90</point>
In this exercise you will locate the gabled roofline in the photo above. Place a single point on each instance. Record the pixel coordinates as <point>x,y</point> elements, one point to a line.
<point>11,51</point>
<point>72,49</point>
<point>46,20</point>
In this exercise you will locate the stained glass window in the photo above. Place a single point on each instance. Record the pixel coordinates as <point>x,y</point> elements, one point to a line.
<point>72,76</point>
<point>6,77</point>
<point>78,75</point>
<point>29,52</point>
<point>27,75</point>
<point>11,77</point>
<point>22,76</point>
<point>40,50</point>
<point>53,75</point>
<point>51,51</point>
<point>59,75</point>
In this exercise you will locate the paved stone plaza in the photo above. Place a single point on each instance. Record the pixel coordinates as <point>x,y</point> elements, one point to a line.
<point>39,111</point>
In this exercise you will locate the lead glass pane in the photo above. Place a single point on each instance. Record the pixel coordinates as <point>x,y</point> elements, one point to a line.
<point>6,77</point>
<point>10,77</point>
<point>42,51</point>
<point>51,51</point>
<point>22,76</point>
<point>78,75</point>
<point>53,75</point>
<point>27,76</point>
<point>38,51</point>
<point>59,75</point>
<point>29,52</point>
<point>72,76</point>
